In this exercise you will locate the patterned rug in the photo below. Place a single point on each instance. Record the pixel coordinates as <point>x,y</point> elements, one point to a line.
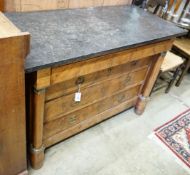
<point>176,135</point>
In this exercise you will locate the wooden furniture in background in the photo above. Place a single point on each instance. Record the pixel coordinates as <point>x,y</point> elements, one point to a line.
<point>36,5</point>
<point>175,5</point>
<point>165,9</point>
<point>172,65</point>
<point>13,50</point>
<point>182,46</point>
<point>185,12</point>
<point>2,5</point>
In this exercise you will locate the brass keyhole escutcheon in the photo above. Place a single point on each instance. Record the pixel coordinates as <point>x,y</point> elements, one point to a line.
<point>121,98</point>
<point>128,79</point>
<point>109,70</point>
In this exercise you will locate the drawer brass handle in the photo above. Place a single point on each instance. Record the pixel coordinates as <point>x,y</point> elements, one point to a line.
<point>72,119</point>
<point>80,80</point>
<point>109,70</point>
<point>134,63</point>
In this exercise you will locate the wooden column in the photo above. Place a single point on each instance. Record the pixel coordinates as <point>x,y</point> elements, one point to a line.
<point>37,148</point>
<point>150,80</point>
<point>40,81</point>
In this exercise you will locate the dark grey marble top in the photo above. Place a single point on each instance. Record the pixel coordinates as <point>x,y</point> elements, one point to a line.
<point>65,36</point>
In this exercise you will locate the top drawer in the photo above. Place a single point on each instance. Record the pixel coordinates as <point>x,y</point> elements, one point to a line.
<point>70,86</point>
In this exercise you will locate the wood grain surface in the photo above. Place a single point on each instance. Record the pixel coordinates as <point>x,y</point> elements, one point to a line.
<point>69,86</point>
<point>12,106</point>
<point>37,5</point>
<point>2,5</point>
<point>70,120</point>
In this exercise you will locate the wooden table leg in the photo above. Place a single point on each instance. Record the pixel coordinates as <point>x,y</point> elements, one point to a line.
<point>37,148</point>
<point>187,66</point>
<point>172,80</point>
<point>146,90</point>
<point>159,74</point>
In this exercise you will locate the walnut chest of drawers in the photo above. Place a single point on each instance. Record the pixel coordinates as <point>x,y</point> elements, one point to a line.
<point>108,85</point>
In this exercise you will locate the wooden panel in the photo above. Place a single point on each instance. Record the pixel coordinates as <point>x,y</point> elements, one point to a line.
<point>7,27</point>
<point>36,5</point>
<point>70,85</point>
<point>116,2</point>
<point>183,44</point>
<point>85,3</point>
<point>12,5</point>
<point>67,72</point>
<point>91,94</point>
<point>90,122</point>
<point>12,106</point>
<point>2,5</point>
<point>42,78</point>
<point>78,116</point>
<point>62,4</point>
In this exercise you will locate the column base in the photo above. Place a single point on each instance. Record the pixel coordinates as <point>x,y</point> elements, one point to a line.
<point>141,105</point>
<point>37,157</point>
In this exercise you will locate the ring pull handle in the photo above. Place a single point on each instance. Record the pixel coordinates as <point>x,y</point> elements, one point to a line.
<point>134,63</point>
<point>80,80</point>
<point>72,120</point>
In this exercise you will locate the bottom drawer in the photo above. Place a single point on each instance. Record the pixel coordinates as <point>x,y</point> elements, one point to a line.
<point>67,121</point>
<point>89,122</point>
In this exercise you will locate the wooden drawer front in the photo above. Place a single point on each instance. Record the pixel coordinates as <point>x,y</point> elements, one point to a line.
<point>82,68</point>
<point>91,94</point>
<point>69,86</point>
<point>88,123</point>
<point>67,121</point>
